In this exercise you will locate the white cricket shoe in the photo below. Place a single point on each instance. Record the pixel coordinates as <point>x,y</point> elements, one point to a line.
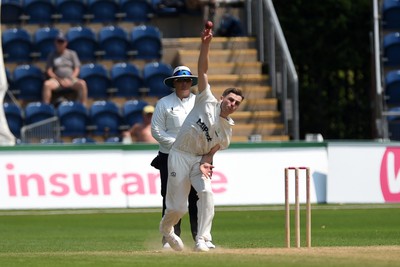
<point>201,246</point>
<point>166,246</point>
<point>210,245</point>
<point>175,242</point>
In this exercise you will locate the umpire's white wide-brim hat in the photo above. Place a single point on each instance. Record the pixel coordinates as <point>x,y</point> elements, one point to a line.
<point>180,72</point>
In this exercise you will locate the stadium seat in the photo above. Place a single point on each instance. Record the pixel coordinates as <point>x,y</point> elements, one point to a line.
<point>97,80</point>
<point>28,80</point>
<point>83,41</point>
<point>105,117</point>
<point>126,79</point>
<point>17,45</point>
<point>137,11</point>
<point>391,49</point>
<point>132,112</point>
<point>394,124</point>
<point>73,118</point>
<point>43,41</point>
<point>14,117</point>
<point>392,87</point>
<point>391,14</point>
<point>83,140</point>
<point>171,10</point>
<point>11,11</point>
<point>71,11</point>
<point>39,11</point>
<point>146,42</point>
<point>113,139</point>
<point>38,111</point>
<point>113,42</point>
<point>154,74</point>
<point>103,10</point>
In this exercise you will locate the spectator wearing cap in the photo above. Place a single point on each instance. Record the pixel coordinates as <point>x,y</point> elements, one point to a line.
<point>169,115</point>
<point>141,132</point>
<point>62,70</point>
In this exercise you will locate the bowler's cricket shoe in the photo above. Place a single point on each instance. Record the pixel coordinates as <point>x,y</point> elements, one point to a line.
<point>201,246</point>
<point>175,242</point>
<point>210,245</point>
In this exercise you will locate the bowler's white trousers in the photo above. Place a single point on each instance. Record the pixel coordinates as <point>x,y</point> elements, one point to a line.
<point>184,171</point>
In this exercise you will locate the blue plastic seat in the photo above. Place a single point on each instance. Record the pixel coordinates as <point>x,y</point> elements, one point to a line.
<point>154,74</point>
<point>146,42</point>
<point>132,111</point>
<point>71,11</point>
<point>127,79</point>
<point>11,11</point>
<point>113,41</point>
<point>392,87</point>
<point>39,11</point>
<point>83,140</point>
<point>391,49</point>
<point>103,10</point>
<point>73,118</point>
<point>14,117</point>
<point>97,80</point>
<point>105,117</point>
<point>28,80</point>
<point>43,41</point>
<point>83,41</point>
<point>137,11</point>
<point>391,14</point>
<point>113,139</point>
<point>17,45</point>
<point>38,111</point>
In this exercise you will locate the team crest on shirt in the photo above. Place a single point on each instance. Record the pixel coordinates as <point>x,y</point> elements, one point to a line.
<point>173,174</point>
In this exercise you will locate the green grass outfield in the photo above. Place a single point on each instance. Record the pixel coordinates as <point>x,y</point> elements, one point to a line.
<point>342,235</point>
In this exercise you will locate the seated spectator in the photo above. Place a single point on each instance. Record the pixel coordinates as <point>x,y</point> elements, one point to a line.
<point>230,26</point>
<point>62,70</point>
<point>141,132</point>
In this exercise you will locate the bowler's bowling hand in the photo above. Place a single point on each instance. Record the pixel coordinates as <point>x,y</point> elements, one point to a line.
<point>207,169</point>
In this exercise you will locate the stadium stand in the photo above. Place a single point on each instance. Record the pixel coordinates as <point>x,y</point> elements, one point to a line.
<point>391,48</point>
<point>392,87</point>
<point>39,11</point>
<point>11,11</point>
<point>113,43</point>
<point>15,118</point>
<point>137,11</point>
<point>146,42</point>
<point>17,45</point>
<point>83,41</point>
<point>28,82</point>
<point>71,11</point>
<point>43,41</point>
<point>104,11</point>
<point>154,74</point>
<point>105,118</point>
<point>73,118</point>
<point>132,111</point>
<point>391,14</point>
<point>97,80</point>
<point>38,111</point>
<point>83,140</point>
<point>126,78</point>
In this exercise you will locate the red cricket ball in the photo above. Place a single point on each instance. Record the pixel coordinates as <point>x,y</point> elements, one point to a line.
<point>209,25</point>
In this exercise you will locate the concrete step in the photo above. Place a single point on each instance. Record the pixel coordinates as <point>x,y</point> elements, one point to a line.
<point>217,43</point>
<point>237,80</point>
<point>248,129</point>
<point>230,67</point>
<point>227,55</point>
<point>258,116</point>
<point>249,92</point>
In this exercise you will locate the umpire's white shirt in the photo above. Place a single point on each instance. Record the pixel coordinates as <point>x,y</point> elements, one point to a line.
<point>169,114</point>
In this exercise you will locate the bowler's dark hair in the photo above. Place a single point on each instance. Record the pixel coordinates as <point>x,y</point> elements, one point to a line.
<point>233,90</point>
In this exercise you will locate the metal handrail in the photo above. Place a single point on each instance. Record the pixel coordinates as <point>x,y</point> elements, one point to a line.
<point>274,51</point>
